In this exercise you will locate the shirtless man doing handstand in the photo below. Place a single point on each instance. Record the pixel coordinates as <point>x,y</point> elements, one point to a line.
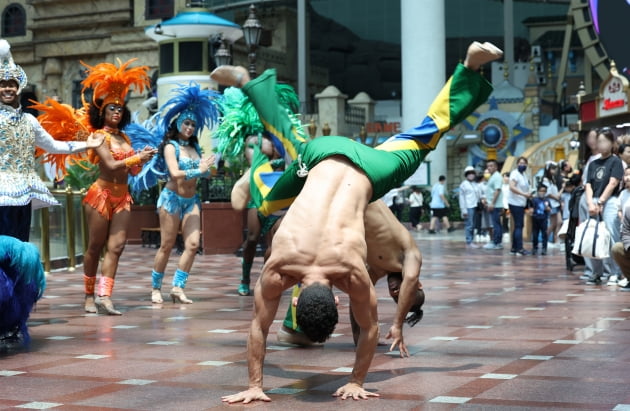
<point>321,241</point>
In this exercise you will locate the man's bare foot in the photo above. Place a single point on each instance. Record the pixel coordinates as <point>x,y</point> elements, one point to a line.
<point>235,76</point>
<point>479,54</point>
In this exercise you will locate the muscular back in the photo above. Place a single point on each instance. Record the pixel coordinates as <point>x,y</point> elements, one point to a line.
<point>322,233</point>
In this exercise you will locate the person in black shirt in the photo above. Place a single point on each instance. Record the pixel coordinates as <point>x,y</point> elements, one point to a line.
<point>601,191</point>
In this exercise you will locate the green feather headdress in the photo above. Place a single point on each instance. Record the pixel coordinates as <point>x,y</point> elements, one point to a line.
<point>239,119</point>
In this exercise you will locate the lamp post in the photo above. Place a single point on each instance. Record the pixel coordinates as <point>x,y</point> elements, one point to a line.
<point>252,30</point>
<point>222,56</point>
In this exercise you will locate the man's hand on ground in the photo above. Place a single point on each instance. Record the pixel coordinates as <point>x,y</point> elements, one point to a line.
<point>354,391</point>
<point>397,335</point>
<point>253,394</point>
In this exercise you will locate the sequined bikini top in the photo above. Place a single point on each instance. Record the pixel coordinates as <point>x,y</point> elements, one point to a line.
<point>186,163</point>
<point>116,154</point>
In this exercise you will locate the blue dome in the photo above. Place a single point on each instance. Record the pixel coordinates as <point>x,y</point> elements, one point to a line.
<point>492,135</point>
<point>195,24</point>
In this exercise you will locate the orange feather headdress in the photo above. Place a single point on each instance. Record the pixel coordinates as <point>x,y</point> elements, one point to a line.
<point>111,83</point>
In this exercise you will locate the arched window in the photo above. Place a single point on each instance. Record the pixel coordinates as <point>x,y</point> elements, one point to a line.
<point>13,21</point>
<point>160,9</point>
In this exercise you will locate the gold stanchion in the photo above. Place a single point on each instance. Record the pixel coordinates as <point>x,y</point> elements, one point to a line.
<point>84,230</point>
<point>45,239</point>
<point>70,229</point>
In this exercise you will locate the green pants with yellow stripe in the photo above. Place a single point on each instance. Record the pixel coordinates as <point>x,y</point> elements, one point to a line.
<point>387,165</point>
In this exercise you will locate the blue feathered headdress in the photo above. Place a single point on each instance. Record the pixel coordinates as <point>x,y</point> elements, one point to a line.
<point>189,102</point>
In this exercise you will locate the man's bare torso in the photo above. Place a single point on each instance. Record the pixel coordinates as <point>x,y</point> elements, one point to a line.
<point>322,234</point>
<point>387,240</point>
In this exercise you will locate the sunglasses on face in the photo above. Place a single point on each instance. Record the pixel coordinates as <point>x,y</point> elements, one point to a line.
<point>114,108</point>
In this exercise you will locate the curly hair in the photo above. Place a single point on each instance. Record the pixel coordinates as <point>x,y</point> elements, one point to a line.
<point>317,312</point>
<point>97,118</point>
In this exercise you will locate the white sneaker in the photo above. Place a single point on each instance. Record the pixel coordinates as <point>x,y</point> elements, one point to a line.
<point>612,280</point>
<point>489,246</point>
<point>623,282</point>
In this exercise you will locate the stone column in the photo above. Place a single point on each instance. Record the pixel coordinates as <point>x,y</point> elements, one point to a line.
<point>363,100</point>
<point>332,109</point>
<point>52,73</point>
<point>423,67</point>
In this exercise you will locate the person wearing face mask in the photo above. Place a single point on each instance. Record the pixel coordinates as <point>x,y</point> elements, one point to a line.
<point>494,199</point>
<point>517,200</point>
<point>184,116</point>
<point>601,194</point>
<point>468,200</point>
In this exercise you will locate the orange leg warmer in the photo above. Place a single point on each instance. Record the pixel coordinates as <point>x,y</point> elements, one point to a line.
<point>105,287</point>
<point>89,283</point>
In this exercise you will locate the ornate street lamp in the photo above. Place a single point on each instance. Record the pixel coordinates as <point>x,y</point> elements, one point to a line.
<point>252,30</point>
<point>222,56</point>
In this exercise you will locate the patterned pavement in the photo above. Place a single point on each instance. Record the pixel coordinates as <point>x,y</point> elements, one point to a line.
<point>499,333</point>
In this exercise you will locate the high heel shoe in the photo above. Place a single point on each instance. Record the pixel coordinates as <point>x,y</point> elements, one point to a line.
<point>104,305</point>
<point>178,296</point>
<point>156,296</point>
<point>243,289</point>
<point>89,304</point>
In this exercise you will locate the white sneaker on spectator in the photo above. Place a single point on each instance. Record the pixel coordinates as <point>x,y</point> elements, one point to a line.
<point>585,276</point>
<point>623,282</point>
<point>489,246</point>
<point>612,280</point>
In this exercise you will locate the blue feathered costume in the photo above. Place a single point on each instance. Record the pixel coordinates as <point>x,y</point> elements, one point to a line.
<point>22,283</point>
<point>187,102</point>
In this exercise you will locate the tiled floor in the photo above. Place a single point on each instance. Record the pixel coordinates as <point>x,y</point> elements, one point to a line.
<point>499,332</point>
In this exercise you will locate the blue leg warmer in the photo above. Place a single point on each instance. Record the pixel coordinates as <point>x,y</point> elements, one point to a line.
<point>157,279</point>
<point>180,278</point>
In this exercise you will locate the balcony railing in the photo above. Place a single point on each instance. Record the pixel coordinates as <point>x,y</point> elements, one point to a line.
<point>61,232</point>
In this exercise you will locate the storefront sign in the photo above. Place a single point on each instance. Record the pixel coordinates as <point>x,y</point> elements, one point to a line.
<point>382,127</point>
<point>613,96</point>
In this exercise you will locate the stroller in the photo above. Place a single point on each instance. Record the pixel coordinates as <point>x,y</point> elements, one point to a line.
<point>571,259</point>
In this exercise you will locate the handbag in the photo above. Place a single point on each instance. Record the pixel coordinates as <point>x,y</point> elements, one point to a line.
<point>564,229</point>
<point>592,239</point>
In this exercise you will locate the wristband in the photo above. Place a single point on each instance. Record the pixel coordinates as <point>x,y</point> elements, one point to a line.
<point>132,161</point>
<point>194,173</point>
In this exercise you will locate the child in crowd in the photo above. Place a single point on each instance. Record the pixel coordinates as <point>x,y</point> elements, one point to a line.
<point>541,208</point>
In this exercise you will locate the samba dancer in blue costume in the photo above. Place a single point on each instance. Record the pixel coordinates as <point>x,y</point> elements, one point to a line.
<point>180,121</point>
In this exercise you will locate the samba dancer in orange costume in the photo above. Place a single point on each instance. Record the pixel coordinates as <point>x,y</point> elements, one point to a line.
<point>108,202</point>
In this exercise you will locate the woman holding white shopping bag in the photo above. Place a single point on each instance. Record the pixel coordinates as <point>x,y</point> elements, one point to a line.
<point>601,191</point>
